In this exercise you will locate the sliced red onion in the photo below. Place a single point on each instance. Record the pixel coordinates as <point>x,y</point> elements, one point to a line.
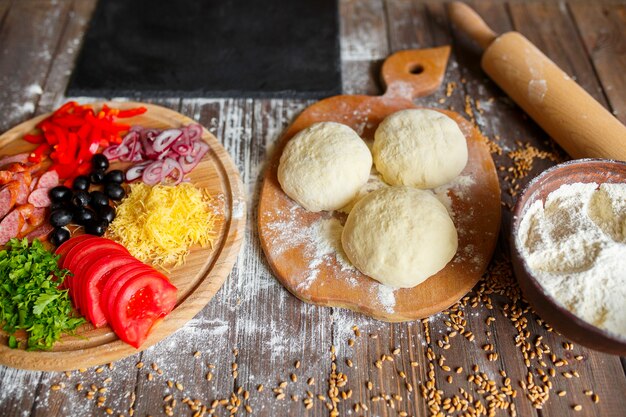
<point>187,163</point>
<point>115,152</point>
<point>153,173</point>
<point>166,139</point>
<point>194,132</point>
<point>135,154</point>
<point>136,171</point>
<point>171,153</point>
<point>170,166</point>
<point>183,145</point>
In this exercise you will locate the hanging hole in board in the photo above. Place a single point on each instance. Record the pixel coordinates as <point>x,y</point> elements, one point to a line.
<point>416,69</point>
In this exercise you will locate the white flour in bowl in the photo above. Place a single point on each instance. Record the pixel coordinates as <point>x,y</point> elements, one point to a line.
<point>575,244</point>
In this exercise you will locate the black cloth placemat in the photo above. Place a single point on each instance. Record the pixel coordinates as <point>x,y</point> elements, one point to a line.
<point>210,48</point>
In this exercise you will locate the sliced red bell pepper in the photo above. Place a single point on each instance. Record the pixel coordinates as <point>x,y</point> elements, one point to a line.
<point>65,108</point>
<point>38,154</point>
<point>122,114</point>
<point>37,139</point>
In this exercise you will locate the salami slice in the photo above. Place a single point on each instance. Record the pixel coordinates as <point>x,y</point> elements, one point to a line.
<point>40,232</point>
<point>39,197</point>
<point>10,226</point>
<point>24,179</point>
<point>37,216</point>
<point>21,158</point>
<point>8,197</point>
<point>48,180</point>
<point>33,184</point>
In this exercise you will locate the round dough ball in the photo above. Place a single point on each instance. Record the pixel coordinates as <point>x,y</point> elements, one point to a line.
<point>324,166</point>
<point>420,148</point>
<point>399,236</point>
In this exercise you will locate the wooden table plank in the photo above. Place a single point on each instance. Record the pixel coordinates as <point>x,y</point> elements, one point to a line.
<point>603,30</point>
<point>29,36</point>
<point>272,329</point>
<point>66,54</point>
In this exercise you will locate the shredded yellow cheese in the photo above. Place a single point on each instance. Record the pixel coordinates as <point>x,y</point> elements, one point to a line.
<point>159,224</point>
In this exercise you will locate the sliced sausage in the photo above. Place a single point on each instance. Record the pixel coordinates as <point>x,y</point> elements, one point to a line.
<point>8,197</point>
<point>10,226</point>
<point>20,157</point>
<point>48,180</point>
<point>39,197</point>
<point>37,216</point>
<point>33,216</point>
<point>40,232</point>
<point>24,179</point>
<point>33,183</point>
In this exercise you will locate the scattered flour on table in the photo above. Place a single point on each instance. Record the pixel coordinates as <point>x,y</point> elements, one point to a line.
<point>575,244</point>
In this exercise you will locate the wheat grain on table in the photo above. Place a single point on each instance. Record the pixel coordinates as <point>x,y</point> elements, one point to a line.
<point>257,350</point>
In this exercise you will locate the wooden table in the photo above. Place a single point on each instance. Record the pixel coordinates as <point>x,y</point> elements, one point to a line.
<point>254,333</point>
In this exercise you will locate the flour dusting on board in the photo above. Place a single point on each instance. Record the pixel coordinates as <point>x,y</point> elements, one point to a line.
<point>321,240</point>
<point>386,298</point>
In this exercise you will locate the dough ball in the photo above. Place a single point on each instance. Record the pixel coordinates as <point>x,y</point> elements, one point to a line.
<point>399,236</point>
<point>324,166</point>
<point>419,148</point>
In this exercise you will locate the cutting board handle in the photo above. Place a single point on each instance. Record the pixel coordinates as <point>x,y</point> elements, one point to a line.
<point>468,21</point>
<point>414,73</point>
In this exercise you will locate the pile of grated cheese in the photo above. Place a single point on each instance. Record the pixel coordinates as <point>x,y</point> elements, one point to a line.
<point>159,224</point>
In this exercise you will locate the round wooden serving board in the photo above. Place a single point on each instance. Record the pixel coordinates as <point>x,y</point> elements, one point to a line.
<point>303,248</point>
<point>203,273</point>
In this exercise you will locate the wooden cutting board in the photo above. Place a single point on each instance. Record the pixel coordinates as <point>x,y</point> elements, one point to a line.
<point>303,248</point>
<point>197,280</point>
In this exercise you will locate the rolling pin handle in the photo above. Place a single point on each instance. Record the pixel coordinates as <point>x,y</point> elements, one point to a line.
<point>468,21</point>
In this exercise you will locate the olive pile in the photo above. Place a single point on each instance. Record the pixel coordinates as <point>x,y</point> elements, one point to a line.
<point>83,207</point>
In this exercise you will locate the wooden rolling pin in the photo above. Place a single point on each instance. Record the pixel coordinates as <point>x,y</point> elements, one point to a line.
<point>577,122</point>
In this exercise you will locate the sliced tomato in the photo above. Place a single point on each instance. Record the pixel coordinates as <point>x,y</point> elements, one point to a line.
<point>115,287</point>
<point>112,279</point>
<point>86,246</point>
<point>141,303</point>
<point>93,281</point>
<point>69,244</point>
<point>79,267</point>
<point>87,249</point>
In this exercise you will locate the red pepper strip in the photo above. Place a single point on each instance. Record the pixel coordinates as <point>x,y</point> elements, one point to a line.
<point>119,127</point>
<point>69,121</point>
<point>64,109</point>
<point>38,138</point>
<point>131,112</point>
<point>84,132</point>
<point>69,155</point>
<point>61,136</point>
<point>84,168</point>
<point>88,147</point>
<point>64,171</point>
<point>37,155</point>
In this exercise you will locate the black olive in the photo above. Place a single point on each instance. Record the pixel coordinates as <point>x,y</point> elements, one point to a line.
<point>97,227</point>
<point>114,191</point>
<point>98,199</point>
<point>99,162</point>
<point>81,183</point>
<point>59,235</point>
<point>56,205</point>
<point>84,216</point>
<point>107,213</point>
<point>96,177</point>
<point>60,194</point>
<point>80,199</point>
<point>114,177</point>
<point>61,217</point>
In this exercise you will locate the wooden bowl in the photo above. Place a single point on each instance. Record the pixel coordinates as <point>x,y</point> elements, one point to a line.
<point>569,325</point>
